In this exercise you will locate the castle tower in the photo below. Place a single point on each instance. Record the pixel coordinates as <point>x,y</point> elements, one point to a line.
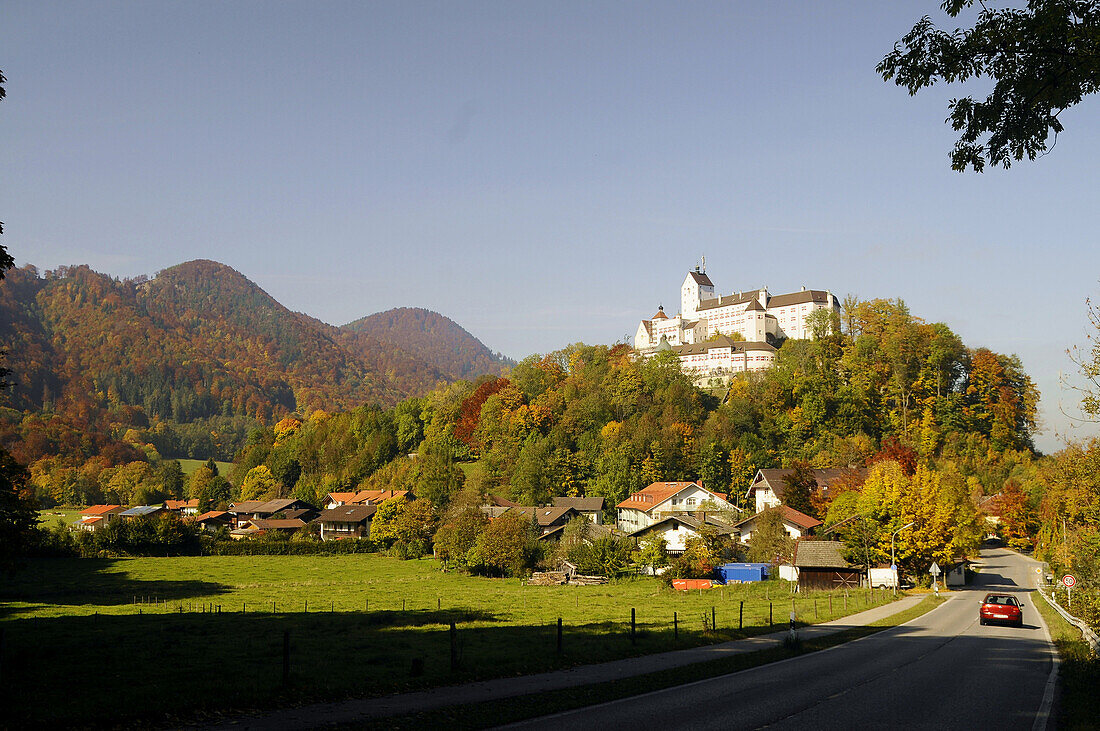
<point>697,288</point>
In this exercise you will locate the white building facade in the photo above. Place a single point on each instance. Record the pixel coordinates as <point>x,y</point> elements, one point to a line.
<point>716,334</point>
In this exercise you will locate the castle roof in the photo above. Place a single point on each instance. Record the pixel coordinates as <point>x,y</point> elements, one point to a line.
<point>701,278</point>
<point>723,341</point>
<point>797,298</point>
<point>730,299</point>
<point>660,314</point>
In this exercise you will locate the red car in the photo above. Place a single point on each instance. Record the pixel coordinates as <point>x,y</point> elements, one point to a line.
<point>1001,609</point>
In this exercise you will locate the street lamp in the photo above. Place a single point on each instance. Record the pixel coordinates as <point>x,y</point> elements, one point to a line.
<point>893,561</point>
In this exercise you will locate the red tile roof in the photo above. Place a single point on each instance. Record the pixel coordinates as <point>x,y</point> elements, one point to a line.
<point>101,509</point>
<point>790,515</point>
<point>650,497</point>
<point>340,497</point>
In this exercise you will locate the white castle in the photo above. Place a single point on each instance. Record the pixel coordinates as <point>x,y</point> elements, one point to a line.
<point>701,333</point>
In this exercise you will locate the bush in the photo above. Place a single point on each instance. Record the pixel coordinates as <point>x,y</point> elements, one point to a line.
<point>262,547</point>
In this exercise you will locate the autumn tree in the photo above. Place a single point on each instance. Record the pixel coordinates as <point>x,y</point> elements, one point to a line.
<point>259,484</point>
<point>1043,59</point>
<point>459,530</point>
<point>1087,360</point>
<point>1018,519</point>
<point>404,527</point>
<point>770,542</point>
<point>652,552</point>
<point>508,547</point>
<point>801,487</point>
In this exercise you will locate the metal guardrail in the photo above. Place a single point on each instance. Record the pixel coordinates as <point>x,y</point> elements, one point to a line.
<point>1087,632</point>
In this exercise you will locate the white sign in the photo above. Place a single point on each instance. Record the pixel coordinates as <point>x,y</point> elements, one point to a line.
<point>1069,580</point>
<point>935,570</point>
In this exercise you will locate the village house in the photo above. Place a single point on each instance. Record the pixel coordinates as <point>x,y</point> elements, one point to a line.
<point>143,511</point>
<point>364,497</point>
<point>821,565</point>
<point>545,518</point>
<point>592,532</point>
<point>662,499</point>
<point>769,486</point>
<point>213,520</point>
<point>677,529</point>
<point>97,517</point>
<point>589,507</point>
<point>796,524</point>
<point>183,507</point>
<point>346,521</point>
<point>246,510</point>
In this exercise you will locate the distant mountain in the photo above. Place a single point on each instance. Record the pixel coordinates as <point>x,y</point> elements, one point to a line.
<point>432,338</point>
<point>201,340</point>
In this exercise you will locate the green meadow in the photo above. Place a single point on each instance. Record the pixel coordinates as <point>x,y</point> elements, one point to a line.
<point>190,465</point>
<point>166,638</point>
<point>68,516</point>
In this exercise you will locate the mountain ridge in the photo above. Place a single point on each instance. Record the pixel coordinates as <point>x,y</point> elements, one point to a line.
<point>200,339</point>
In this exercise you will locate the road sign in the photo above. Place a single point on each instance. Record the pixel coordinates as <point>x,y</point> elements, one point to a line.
<point>935,570</point>
<point>1069,580</point>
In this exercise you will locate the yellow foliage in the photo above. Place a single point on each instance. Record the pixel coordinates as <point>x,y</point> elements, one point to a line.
<point>611,431</point>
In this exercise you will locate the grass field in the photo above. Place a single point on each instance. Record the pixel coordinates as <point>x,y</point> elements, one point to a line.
<point>66,515</point>
<point>1080,672</point>
<point>117,634</point>
<point>190,465</point>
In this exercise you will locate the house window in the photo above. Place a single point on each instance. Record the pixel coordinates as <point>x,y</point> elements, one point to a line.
<point>691,501</point>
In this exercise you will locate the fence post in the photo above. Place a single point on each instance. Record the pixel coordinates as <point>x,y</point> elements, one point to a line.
<point>306,607</point>
<point>632,626</point>
<point>454,644</point>
<point>830,605</point>
<point>815,608</point>
<point>286,656</point>
<point>741,615</point>
<point>713,622</point>
<point>770,614</point>
<point>675,627</point>
<point>559,635</point>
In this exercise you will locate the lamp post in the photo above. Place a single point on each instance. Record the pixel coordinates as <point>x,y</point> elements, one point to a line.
<point>893,561</point>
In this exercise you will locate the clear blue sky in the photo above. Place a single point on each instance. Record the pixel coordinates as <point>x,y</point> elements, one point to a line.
<point>543,173</point>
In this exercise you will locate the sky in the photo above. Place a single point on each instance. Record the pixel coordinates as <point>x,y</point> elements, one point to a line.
<point>542,173</point>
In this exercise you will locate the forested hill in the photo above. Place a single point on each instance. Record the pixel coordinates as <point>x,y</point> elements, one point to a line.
<point>199,341</point>
<point>431,337</point>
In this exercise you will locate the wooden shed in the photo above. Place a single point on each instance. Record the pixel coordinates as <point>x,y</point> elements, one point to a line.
<point>821,565</point>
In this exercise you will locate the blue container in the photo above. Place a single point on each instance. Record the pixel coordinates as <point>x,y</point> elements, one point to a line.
<point>740,573</point>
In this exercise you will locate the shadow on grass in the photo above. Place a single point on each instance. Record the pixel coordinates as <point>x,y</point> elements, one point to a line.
<point>115,667</point>
<point>90,581</point>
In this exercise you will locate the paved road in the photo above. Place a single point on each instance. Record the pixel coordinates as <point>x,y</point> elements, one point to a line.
<point>942,670</point>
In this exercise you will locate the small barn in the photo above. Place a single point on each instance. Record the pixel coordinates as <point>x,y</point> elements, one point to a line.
<point>821,565</point>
